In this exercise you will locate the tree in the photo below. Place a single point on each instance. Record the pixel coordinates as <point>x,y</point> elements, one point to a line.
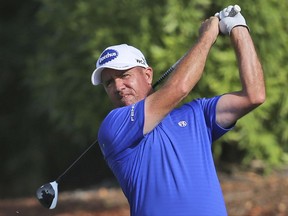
<point>50,52</point>
<point>164,31</point>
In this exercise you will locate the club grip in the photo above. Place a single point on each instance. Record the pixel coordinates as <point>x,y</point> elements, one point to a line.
<point>231,11</point>
<point>234,11</point>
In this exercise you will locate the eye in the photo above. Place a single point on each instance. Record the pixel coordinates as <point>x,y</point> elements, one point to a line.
<point>125,75</point>
<point>108,83</point>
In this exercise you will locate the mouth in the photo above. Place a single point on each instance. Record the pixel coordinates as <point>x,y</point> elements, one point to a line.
<point>123,95</point>
<point>126,99</point>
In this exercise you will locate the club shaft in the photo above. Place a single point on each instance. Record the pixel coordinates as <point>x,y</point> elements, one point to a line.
<point>60,177</point>
<point>172,68</point>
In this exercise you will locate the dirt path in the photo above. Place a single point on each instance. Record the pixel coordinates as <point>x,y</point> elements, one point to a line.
<point>252,195</point>
<point>246,194</point>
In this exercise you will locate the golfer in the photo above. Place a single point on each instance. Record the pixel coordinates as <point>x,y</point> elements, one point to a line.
<point>161,152</point>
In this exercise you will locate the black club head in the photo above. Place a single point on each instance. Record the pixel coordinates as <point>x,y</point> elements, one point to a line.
<point>47,195</point>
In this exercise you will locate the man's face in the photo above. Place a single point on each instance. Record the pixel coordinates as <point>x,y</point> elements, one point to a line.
<point>126,87</point>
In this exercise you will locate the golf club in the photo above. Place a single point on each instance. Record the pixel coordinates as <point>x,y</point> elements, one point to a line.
<point>47,194</point>
<point>231,11</point>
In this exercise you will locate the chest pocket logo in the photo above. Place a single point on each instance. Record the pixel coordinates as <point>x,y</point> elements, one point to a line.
<point>182,123</point>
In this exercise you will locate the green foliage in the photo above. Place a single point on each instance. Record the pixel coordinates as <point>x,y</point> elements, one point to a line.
<point>50,49</point>
<point>263,133</point>
<point>164,31</point>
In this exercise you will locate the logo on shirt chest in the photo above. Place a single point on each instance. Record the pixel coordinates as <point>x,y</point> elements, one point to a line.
<point>182,123</point>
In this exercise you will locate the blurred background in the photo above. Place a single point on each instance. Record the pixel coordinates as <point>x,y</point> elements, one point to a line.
<point>50,112</point>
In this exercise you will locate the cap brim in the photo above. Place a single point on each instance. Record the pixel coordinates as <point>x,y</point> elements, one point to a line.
<point>96,75</point>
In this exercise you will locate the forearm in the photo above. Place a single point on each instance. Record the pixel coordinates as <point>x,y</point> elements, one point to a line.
<point>251,73</point>
<point>183,79</point>
<point>189,71</point>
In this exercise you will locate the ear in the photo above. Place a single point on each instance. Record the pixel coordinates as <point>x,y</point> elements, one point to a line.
<point>149,75</point>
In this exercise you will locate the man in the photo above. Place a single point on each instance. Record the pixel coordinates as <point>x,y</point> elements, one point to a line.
<point>160,154</point>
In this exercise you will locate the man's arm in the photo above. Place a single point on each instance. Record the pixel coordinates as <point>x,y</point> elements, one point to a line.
<point>233,106</point>
<point>183,79</point>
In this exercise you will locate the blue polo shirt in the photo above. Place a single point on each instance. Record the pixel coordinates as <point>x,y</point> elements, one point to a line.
<point>169,171</point>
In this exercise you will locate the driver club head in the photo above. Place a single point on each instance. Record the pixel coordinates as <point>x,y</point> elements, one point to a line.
<point>47,194</point>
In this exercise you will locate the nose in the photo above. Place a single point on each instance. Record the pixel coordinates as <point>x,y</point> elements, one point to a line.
<point>119,84</point>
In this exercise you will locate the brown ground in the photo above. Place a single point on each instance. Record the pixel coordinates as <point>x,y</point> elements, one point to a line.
<point>246,194</point>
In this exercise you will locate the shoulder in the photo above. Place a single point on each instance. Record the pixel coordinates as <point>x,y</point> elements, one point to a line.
<point>204,104</point>
<point>126,113</point>
<point>122,119</point>
<point>212,101</point>
<point>121,128</point>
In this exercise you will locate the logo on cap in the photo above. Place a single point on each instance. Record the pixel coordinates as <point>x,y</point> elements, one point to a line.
<point>107,56</point>
<point>141,61</point>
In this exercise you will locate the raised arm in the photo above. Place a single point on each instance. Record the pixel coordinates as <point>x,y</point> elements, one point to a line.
<point>183,79</point>
<point>233,106</point>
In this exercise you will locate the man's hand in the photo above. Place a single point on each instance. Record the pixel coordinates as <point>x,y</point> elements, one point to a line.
<point>230,17</point>
<point>209,29</point>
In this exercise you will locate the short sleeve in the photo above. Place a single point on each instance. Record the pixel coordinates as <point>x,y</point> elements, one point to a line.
<point>121,130</point>
<point>209,109</point>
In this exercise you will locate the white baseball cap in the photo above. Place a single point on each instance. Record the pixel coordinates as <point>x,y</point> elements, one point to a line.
<point>119,57</point>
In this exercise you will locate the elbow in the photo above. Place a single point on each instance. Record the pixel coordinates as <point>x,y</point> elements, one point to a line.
<point>184,90</point>
<point>176,91</point>
<point>258,98</point>
<point>261,95</point>
<point>181,89</point>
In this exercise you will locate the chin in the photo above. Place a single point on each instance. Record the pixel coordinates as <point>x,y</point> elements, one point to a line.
<point>127,102</point>
<point>123,103</point>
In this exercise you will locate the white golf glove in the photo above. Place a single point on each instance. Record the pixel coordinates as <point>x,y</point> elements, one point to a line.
<point>229,18</point>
